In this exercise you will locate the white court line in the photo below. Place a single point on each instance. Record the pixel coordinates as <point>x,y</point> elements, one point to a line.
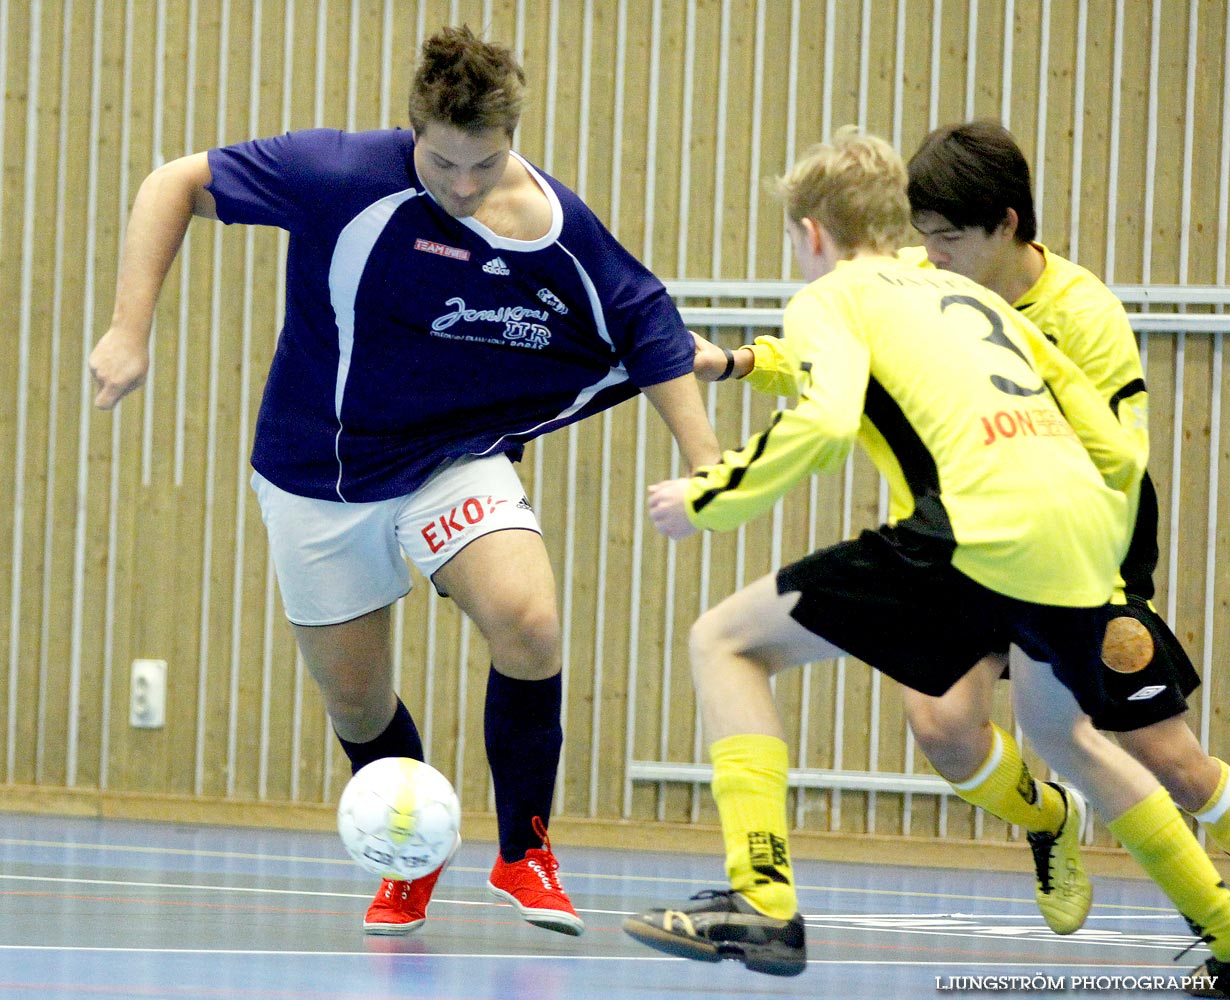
<point>258,890</point>
<point>801,887</point>
<point>1024,935</point>
<point>418,956</point>
<point>964,926</point>
<point>813,919</point>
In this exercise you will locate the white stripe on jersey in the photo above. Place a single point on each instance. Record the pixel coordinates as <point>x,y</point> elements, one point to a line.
<point>595,303</point>
<point>350,254</point>
<point>612,377</point>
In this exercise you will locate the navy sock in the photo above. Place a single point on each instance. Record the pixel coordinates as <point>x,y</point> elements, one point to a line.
<point>523,736</point>
<point>399,739</point>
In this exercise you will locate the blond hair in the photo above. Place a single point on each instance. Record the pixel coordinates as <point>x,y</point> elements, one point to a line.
<point>854,186</point>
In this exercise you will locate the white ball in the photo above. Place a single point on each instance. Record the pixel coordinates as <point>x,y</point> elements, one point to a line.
<point>398,818</point>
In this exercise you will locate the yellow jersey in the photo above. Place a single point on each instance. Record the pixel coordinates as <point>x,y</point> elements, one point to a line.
<point>960,402</point>
<point>1082,317</point>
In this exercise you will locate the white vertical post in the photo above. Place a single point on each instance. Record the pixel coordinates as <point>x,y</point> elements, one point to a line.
<point>241,436</point>
<point>937,25</point>
<point>1005,79</point>
<point>1116,108</point>
<point>1044,72</point>
<point>211,435</point>
<point>1078,130</point>
<point>185,256</point>
<point>53,401</point>
<point>22,402</point>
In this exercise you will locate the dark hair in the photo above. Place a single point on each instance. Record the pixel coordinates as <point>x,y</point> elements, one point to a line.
<point>972,174</point>
<point>467,83</point>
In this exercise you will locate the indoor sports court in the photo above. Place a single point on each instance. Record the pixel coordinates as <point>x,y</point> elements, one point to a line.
<point>113,908</point>
<point>169,777</point>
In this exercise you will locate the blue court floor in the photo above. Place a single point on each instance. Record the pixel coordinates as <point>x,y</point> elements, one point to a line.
<point>114,909</point>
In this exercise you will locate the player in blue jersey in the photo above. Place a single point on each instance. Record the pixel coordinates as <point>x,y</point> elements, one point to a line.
<point>446,302</point>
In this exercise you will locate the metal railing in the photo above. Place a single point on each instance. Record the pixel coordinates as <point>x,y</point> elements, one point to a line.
<point>1167,296</point>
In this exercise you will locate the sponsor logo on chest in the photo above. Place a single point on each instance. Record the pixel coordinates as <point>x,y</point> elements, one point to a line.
<point>522,326</point>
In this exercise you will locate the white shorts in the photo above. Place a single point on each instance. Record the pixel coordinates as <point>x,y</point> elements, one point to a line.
<point>336,561</point>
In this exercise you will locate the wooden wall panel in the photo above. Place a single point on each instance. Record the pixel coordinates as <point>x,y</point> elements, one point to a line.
<point>134,534</point>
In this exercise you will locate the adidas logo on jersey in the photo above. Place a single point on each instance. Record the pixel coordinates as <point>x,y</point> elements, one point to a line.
<point>1145,693</point>
<point>496,265</point>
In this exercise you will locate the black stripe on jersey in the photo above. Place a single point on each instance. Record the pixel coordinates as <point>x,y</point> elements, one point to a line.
<point>926,536</point>
<point>1133,387</point>
<point>915,460</point>
<point>1021,309</point>
<point>736,477</point>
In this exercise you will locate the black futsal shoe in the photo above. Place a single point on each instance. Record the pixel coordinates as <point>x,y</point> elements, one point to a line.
<point>1215,979</point>
<point>721,924</point>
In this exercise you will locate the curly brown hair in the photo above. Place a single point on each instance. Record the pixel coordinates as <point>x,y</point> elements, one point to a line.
<point>467,83</point>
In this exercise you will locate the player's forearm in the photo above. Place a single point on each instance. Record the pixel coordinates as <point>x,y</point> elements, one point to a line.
<point>165,204</point>
<point>799,442</point>
<point>1118,454</point>
<point>772,366</point>
<point>679,404</point>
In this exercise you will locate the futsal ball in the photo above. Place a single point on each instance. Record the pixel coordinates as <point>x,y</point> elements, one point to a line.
<point>398,818</point>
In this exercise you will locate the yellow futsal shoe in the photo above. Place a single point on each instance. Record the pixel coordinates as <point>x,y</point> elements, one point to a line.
<point>1063,891</point>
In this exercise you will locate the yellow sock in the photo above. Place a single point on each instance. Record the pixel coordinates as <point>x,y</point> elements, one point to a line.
<point>1156,835</point>
<point>1214,815</point>
<point>749,786</point>
<point>1004,787</point>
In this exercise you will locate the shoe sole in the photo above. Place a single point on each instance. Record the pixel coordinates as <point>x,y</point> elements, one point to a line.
<point>393,930</point>
<point>551,920</point>
<point>757,960</point>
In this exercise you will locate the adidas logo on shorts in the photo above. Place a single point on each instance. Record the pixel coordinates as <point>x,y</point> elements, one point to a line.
<point>524,504</point>
<point>496,265</point>
<point>1145,693</point>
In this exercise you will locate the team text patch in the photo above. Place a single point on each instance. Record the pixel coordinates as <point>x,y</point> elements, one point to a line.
<point>443,249</point>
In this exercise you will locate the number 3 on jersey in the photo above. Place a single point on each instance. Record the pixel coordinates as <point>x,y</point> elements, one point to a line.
<point>999,339</point>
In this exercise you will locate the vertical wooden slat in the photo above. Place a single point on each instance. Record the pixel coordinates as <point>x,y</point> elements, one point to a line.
<point>10,383</point>
<point>52,679</point>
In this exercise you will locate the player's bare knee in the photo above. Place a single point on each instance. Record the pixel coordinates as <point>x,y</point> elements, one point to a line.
<point>1183,768</point>
<point>940,724</point>
<point>709,637</point>
<point>525,642</point>
<point>932,728</point>
<point>358,712</point>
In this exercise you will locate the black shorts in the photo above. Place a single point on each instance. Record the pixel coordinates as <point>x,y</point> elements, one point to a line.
<point>1146,673</point>
<point>925,624</point>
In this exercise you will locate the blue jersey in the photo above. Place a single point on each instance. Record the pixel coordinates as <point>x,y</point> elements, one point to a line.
<point>412,337</point>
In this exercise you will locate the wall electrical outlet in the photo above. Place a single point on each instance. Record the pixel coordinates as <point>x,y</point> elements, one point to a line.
<point>148,704</point>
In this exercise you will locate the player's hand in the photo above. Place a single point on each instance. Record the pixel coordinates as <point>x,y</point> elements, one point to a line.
<point>118,363</point>
<point>668,508</point>
<point>710,360</point>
